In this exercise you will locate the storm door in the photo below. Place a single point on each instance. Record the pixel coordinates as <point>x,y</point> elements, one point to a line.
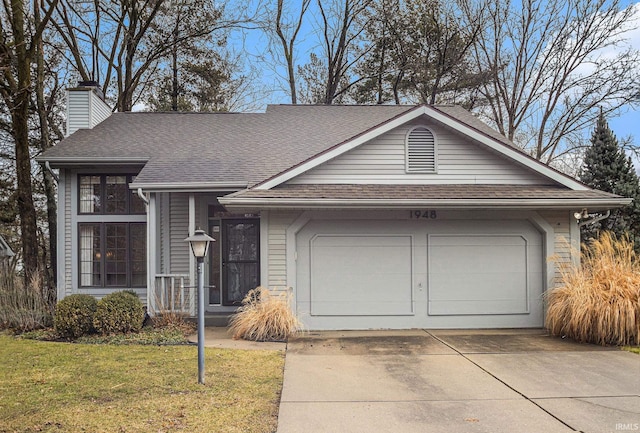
<point>236,270</point>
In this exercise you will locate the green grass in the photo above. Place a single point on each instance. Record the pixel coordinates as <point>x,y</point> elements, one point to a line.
<point>633,349</point>
<point>63,387</point>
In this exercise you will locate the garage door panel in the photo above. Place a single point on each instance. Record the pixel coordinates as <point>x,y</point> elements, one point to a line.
<point>381,273</point>
<point>478,274</point>
<point>361,275</point>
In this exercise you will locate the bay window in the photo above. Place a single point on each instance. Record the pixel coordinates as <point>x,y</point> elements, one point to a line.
<point>113,254</point>
<point>112,245</point>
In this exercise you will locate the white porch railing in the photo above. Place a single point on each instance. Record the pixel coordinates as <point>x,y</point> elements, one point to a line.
<point>173,293</point>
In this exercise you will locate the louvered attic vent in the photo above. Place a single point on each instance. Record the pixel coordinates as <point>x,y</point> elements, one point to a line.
<point>421,151</point>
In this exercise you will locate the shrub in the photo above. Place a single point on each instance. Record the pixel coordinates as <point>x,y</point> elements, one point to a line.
<point>600,301</point>
<point>264,317</point>
<point>23,307</point>
<point>119,312</point>
<point>74,316</point>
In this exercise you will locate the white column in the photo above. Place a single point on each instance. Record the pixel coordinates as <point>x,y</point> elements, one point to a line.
<point>61,235</point>
<point>264,249</point>
<point>152,248</point>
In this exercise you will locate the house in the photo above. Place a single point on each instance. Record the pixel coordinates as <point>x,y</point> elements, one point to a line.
<point>5,250</point>
<point>373,216</point>
<point>7,257</point>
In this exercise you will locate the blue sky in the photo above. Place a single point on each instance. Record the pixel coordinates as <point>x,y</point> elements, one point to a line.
<point>625,124</point>
<point>628,123</point>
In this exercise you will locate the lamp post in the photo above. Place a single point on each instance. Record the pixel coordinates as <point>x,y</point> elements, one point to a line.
<point>199,243</point>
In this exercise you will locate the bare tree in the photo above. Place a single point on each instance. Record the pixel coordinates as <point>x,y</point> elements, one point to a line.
<point>422,52</point>
<point>554,63</point>
<point>342,23</point>
<point>126,39</point>
<point>20,37</point>
<point>287,33</point>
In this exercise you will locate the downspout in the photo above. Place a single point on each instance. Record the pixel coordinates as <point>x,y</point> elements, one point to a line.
<point>150,307</point>
<point>51,172</point>
<point>143,197</point>
<point>594,220</point>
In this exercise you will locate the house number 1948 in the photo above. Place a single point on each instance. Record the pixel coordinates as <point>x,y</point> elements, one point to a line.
<point>423,214</point>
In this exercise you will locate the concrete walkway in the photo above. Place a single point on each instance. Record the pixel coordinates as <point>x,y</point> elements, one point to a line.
<point>219,337</point>
<point>456,381</point>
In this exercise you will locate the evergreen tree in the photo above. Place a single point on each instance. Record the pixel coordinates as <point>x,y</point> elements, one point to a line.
<point>606,167</point>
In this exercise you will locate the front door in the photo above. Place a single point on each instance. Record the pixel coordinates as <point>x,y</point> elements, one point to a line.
<point>235,262</point>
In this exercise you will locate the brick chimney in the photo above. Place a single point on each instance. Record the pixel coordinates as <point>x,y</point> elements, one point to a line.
<point>85,106</point>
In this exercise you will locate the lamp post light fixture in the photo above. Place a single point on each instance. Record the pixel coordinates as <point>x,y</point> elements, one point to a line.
<point>199,243</point>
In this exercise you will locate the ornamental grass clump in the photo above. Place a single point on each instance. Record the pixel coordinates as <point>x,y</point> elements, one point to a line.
<point>264,317</point>
<point>23,307</point>
<point>599,302</point>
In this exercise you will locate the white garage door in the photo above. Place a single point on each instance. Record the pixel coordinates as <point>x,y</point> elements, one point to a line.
<point>406,274</point>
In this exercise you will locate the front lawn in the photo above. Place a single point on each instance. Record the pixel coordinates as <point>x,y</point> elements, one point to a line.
<point>63,387</point>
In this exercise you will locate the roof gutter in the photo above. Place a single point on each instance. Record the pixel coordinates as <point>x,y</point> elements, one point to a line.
<point>189,187</point>
<point>293,203</point>
<point>76,162</point>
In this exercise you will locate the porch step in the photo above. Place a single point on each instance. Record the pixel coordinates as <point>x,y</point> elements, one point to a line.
<point>214,319</point>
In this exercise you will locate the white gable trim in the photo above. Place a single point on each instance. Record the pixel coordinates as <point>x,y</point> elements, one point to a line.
<point>436,115</point>
<point>342,148</point>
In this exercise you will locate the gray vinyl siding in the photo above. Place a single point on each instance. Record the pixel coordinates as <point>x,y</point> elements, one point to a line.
<point>99,110</point>
<point>179,231</point>
<point>563,251</point>
<point>164,227</point>
<point>77,110</point>
<point>85,110</point>
<point>382,160</point>
<point>277,240</point>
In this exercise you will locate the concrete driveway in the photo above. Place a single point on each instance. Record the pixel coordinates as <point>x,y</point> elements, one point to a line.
<point>456,381</point>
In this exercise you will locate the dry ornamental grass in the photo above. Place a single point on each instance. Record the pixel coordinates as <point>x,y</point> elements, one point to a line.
<point>264,317</point>
<point>600,301</point>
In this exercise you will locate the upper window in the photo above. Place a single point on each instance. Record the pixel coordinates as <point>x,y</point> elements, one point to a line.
<point>109,195</point>
<point>421,151</point>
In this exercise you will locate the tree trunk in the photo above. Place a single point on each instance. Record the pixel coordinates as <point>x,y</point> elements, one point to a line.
<point>49,182</point>
<point>20,121</point>
<point>174,67</point>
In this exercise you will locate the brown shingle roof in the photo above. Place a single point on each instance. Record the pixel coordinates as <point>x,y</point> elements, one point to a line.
<point>410,196</point>
<point>422,192</point>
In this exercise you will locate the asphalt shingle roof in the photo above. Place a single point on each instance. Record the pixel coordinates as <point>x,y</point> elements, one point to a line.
<point>220,147</point>
<point>422,192</point>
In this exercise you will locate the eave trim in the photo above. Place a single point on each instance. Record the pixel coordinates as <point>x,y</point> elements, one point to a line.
<point>306,203</point>
<point>188,186</point>
<point>78,162</point>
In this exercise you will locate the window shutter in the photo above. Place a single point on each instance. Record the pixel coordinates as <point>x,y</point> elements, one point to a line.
<point>421,151</point>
